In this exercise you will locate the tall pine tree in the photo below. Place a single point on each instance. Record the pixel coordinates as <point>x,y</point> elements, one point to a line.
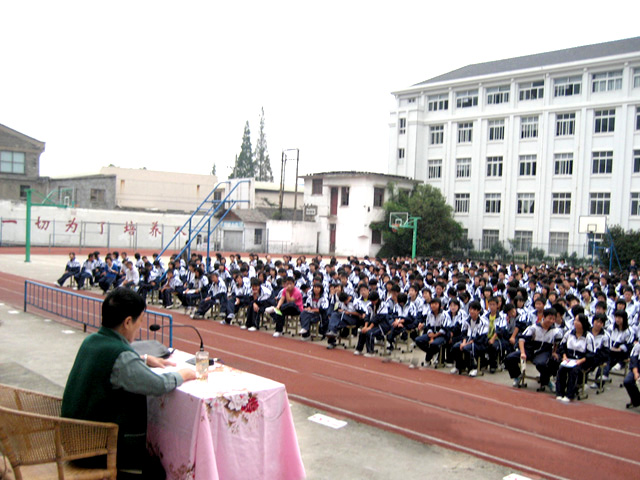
<point>244,167</point>
<point>262,163</point>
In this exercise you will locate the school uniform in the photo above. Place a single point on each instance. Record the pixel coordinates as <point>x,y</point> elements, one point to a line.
<point>85,273</point>
<point>619,348</point>
<point>107,277</point>
<point>378,316</point>
<point>307,317</point>
<point>575,348</point>
<point>408,314</point>
<point>216,293</point>
<point>262,300</point>
<point>538,347</point>
<point>475,333</point>
<point>172,285</point>
<point>71,270</point>
<point>241,294</point>
<point>501,347</point>
<point>629,381</point>
<point>192,296</point>
<point>345,314</point>
<point>438,325</point>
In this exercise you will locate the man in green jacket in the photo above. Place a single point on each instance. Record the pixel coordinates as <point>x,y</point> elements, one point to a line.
<point>109,382</point>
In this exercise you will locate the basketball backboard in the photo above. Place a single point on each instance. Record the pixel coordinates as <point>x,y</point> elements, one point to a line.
<point>592,224</point>
<point>398,219</point>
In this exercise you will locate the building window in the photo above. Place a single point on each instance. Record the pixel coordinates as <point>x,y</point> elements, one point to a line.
<point>376,237</point>
<point>467,98</point>
<point>461,203</point>
<point>558,243</point>
<point>257,236</point>
<point>494,166</point>
<point>490,238</point>
<point>528,127</point>
<point>605,120</point>
<point>531,90</point>
<point>344,196</point>
<point>636,161</point>
<point>23,190</point>
<point>436,134</point>
<point>561,203</point>
<point>567,86</point>
<point>636,78</point>
<point>637,118</point>
<point>526,203</point>
<point>496,95</point>
<point>635,204</point>
<point>602,162</point>
<point>401,155</point>
<point>565,124</point>
<point>435,168</point>
<point>378,196</point>
<point>402,126</point>
<point>496,130</point>
<point>465,132</point>
<point>527,165</point>
<point>492,203</point>
<point>411,100</point>
<point>563,164</point>
<point>463,167</point>
<point>316,186</point>
<point>12,162</point>
<point>438,102</point>
<point>97,195</point>
<point>606,81</point>
<point>599,203</point>
<point>522,240</point>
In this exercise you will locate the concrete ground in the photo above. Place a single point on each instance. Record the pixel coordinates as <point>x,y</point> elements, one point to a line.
<point>37,353</point>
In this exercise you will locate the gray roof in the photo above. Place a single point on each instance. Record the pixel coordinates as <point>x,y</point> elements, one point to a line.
<point>250,215</point>
<point>358,174</point>
<point>586,52</point>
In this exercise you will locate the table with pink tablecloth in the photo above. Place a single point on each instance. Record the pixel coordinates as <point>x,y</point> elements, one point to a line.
<point>234,426</point>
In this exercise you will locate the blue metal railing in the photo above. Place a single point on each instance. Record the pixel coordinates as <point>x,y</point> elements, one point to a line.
<point>88,310</point>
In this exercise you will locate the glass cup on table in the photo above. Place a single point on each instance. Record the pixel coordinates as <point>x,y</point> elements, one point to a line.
<point>202,365</point>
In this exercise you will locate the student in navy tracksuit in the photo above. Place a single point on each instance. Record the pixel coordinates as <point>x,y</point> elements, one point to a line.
<point>345,314</point>
<point>217,293</point>
<point>621,342</point>
<point>86,272</point>
<point>538,343</point>
<point>315,309</point>
<point>631,380</point>
<point>436,331</point>
<point>403,319</point>
<point>239,296</point>
<point>377,325</point>
<point>71,270</point>
<point>474,343</point>
<point>257,301</point>
<point>576,349</point>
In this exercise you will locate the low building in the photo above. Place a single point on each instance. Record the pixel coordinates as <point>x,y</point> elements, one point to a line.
<point>19,164</point>
<point>344,204</point>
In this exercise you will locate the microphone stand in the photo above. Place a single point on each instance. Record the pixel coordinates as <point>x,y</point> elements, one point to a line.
<point>154,327</point>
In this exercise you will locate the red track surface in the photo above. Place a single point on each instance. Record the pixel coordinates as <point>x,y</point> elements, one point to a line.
<point>528,431</point>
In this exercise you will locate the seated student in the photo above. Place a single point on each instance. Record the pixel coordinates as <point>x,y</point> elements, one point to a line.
<point>435,330</point>
<point>473,345</point>
<point>505,336</point>
<point>71,270</point>
<point>403,319</point>
<point>602,344</point>
<point>538,344</point>
<point>149,280</point>
<point>238,298</point>
<point>86,272</point>
<point>494,319</point>
<point>621,343</point>
<point>576,349</point>
<point>257,301</point>
<point>172,284</point>
<point>376,325</point>
<point>315,309</point>
<point>98,265</point>
<point>108,275</point>
<point>191,297</point>
<point>131,276</point>
<point>458,317</point>
<point>345,314</point>
<point>631,380</point>
<point>289,303</point>
<point>109,382</point>
<point>217,293</point>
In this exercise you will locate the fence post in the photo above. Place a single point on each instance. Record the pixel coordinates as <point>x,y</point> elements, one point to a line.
<point>25,297</point>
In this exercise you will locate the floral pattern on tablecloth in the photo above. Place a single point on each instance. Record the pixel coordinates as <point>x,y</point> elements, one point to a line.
<point>239,409</point>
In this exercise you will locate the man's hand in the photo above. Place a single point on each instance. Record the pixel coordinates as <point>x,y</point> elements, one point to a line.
<point>256,307</point>
<point>523,356</point>
<point>187,374</point>
<point>155,362</point>
<point>512,340</point>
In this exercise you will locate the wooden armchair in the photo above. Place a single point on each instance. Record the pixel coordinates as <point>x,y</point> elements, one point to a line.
<point>39,443</point>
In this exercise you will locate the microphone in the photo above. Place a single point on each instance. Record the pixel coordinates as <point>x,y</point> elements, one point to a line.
<point>154,327</point>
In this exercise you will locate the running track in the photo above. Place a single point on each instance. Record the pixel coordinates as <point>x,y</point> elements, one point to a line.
<point>528,431</point>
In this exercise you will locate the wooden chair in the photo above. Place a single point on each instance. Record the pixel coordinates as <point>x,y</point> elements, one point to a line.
<point>39,443</point>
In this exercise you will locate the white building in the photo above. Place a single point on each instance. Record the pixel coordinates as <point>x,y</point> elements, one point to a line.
<point>521,148</point>
<point>344,205</point>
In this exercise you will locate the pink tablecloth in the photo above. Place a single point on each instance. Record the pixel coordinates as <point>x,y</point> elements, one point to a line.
<point>235,426</point>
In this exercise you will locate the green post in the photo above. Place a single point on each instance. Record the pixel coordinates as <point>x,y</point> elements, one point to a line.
<point>27,256</point>
<point>415,238</point>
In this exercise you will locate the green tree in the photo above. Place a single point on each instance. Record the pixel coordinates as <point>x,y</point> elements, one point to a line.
<point>627,245</point>
<point>262,164</point>
<point>438,232</point>
<point>213,169</point>
<point>244,167</point>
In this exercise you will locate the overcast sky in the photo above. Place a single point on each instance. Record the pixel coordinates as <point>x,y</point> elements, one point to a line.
<point>169,85</point>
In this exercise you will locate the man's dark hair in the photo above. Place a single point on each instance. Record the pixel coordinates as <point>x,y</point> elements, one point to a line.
<point>120,304</point>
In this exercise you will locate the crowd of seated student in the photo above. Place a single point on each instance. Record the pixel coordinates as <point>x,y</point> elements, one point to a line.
<point>459,313</point>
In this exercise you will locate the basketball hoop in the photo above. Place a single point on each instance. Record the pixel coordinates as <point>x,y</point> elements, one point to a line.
<point>394,230</point>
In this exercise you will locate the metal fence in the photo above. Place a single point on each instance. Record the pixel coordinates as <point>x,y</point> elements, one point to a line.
<point>87,310</point>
